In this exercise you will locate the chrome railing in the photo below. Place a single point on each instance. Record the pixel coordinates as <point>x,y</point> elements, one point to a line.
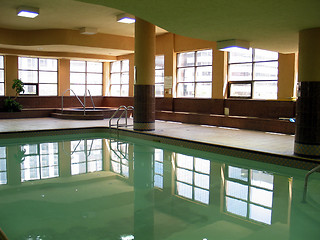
<point>306,182</point>
<point>125,113</point>
<point>83,104</point>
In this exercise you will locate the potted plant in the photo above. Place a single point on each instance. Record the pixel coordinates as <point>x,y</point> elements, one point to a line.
<point>10,104</point>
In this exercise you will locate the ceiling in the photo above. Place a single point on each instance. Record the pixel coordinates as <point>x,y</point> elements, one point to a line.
<point>272,24</point>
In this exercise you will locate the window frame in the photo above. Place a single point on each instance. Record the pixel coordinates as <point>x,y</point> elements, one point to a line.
<point>252,81</point>
<point>2,79</point>
<point>195,66</point>
<point>86,73</point>
<point>121,73</point>
<point>38,71</point>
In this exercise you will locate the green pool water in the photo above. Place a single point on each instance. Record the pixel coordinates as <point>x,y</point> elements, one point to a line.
<point>89,186</point>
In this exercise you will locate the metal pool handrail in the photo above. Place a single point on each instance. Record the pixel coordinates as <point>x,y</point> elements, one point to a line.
<point>124,112</point>
<point>306,182</point>
<point>83,104</point>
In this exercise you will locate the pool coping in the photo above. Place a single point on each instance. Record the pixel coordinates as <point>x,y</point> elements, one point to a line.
<point>256,155</point>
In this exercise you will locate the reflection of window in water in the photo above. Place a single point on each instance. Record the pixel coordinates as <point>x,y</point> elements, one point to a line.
<point>120,158</point>
<point>86,156</point>
<point>192,178</point>
<point>3,165</point>
<point>158,168</point>
<point>40,161</point>
<point>249,194</point>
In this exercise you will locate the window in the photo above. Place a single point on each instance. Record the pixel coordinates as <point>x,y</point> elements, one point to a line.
<point>194,74</point>
<point>158,168</point>
<point>86,76</point>
<point>253,74</point>
<point>192,178</point>
<point>159,76</point>
<point>120,158</point>
<point>1,76</point>
<point>86,156</point>
<point>119,78</point>
<point>3,166</point>
<point>39,161</point>
<point>39,75</point>
<point>249,194</point>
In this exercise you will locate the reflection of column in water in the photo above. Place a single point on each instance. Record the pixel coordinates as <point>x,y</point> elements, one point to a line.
<point>14,160</point>
<point>143,192</point>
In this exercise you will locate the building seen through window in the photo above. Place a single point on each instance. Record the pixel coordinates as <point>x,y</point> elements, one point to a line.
<point>119,78</point>
<point>194,74</point>
<point>39,75</point>
<point>84,76</point>
<point>253,74</point>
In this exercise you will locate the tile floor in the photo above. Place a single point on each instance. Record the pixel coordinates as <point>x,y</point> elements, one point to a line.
<point>243,139</point>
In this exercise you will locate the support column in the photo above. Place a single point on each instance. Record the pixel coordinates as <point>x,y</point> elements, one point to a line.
<point>307,138</point>
<point>144,90</point>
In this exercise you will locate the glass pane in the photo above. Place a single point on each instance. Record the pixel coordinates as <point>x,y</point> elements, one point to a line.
<point>3,178</point>
<point>265,90</point>
<point>3,152</point>
<point>1,62</point>
<point>125,78</point>
<point>3,165</point>
<point>77,78</point>
<point>184,190</point>
<point>115,67</point>
<point>28,63</point>
<point>77,66</point>
<point>266,71</point>
<point>158,181</point>
<point>158,155</point>
<point>48,77</point>
<point>237,190</point>
<point>124,90</point>
<point>240,90</point>
<point>158,168</point>
<point>48,64</point>
<point>159,90</point>
<point>115,78</point>
<point>185,90</point>
<point>184,161</point>
<point>264,55</point>
<point>28,76</point>
<point>159,62</point>
<point>236,206</point>
<point>95,67</point>
<point>115,90</point>
<point>95,90</point>
<point>261,196</point>
<point>159,76</point>
<point>240,72</point>
<point>186,59</point>
<point>201,195</point>
<point>48,90</point>
<point>2,89</point>
<point>204,74</point>
<point>240,56</point>
<point>201,180</point>
<point>202,165</point>
<point>204,57</point>
<point>203,90</point>
<point>186,75</point>
<point>30,89</point>
<point>94,78</point>
<point>238,173</point>
<point>78,89</point>
<point>1,75</point>
<point>261,179</point>
<point>125,66</point>
<point>260,214</point>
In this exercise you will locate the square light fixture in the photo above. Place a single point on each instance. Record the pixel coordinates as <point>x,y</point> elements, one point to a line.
<point>125,18</point>
<point>88,30</point>
<point>28,12</point>
<point>229,45</point>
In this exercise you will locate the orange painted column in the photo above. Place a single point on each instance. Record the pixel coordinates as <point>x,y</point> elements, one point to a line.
<point>307,138</point>
<point>144,89</point>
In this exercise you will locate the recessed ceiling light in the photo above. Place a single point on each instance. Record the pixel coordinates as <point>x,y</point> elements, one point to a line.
<point>229,45</point>
<point>28,12</point>
<point>125,18</point>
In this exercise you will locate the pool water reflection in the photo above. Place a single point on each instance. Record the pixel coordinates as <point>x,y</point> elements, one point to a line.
<point>89,187</point>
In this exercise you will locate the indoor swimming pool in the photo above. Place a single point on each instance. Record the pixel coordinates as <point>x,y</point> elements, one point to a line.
<point>98,186</point>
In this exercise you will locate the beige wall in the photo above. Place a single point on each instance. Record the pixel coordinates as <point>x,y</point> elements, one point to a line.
<point>167,44</point>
